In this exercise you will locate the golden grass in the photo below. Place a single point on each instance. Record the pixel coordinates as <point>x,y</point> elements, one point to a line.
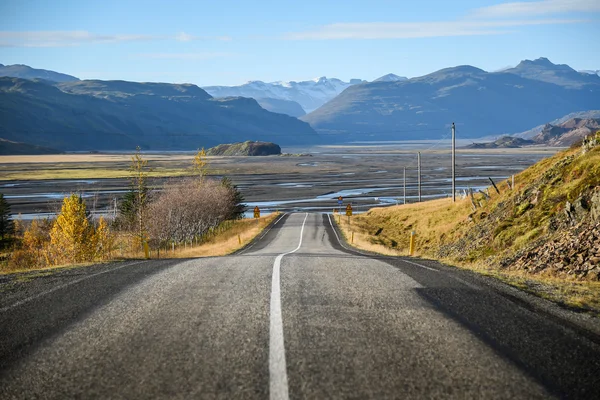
<point>233,239</point>
<point>432,221</point>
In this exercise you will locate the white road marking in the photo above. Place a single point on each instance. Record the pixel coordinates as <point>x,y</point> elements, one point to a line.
<point>64,285</point>
<point>278,382</point>
<point>263,235</point>
<point>369,255</point>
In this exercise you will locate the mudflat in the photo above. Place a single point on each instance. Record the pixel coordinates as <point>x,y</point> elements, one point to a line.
<point>365,175</point>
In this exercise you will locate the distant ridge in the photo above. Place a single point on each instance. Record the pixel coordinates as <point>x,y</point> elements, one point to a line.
<point>26,72</point>
<point>481,103</point>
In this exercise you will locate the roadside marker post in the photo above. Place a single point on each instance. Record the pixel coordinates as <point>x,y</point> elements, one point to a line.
<point>349,212</point>
<point>146,250</point>
<point>411,251</point>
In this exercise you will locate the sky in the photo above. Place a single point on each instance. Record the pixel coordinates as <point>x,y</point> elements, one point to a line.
<point>228,42</point>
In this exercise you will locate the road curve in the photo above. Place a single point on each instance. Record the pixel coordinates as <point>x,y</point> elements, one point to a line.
<point>295,315</point>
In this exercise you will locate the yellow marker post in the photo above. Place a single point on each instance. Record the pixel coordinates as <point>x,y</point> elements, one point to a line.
<point>146,250</point>
<point>411,251</point>
<point>239,239</point>
<point>352,238</point>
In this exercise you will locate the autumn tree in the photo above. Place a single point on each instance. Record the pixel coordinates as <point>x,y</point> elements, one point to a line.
<point>7,226</point>
<point>133,206</point>
<point>104,239</point>
<point>200,164</point>
<point>72,235</point>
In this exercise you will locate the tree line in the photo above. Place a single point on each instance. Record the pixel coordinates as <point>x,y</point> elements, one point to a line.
<point>186,209</point>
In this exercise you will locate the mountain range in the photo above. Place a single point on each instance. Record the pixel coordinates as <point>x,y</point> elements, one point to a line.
<point>310,95</point>
<point>61,112</point>
<point>481,103</point>
<point>118,115</point>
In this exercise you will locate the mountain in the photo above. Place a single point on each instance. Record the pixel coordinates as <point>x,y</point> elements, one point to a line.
<point>309,94</point>
<point>596,72</point>
<point>560,74</point>
<point>568,132</point>
<point>287,107</point>
<point>120,115</point>
<point>391,78</point>
<point>8,147</point>
<point>26,72</point>
<point>592,114</point>
<point>481,103</point>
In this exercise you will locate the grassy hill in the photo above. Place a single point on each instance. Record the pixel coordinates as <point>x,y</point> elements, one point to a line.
<point>543,235</point>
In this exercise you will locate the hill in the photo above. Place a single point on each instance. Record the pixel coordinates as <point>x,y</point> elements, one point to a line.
<point>26,72</point>
<point>481,103</point>
<point>287,107</point>
<point>16,148</point>
<point>248,148</point>
<point>309,94</point>
<point>120,115</point>
<point>568,132</point>
<point>538,129</point>
<point>505,142</point>
<point>543,235</point>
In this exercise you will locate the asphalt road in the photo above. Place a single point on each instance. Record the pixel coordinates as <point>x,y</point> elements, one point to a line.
<point>295,315</point>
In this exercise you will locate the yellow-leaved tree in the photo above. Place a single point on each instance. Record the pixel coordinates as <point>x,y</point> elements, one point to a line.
<point>104,239</point>
<point>72,236</point>
<point>200,164</point>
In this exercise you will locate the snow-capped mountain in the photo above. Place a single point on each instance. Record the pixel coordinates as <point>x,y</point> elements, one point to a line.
<point>591,72</point>
<point>309,94</point>
<point>391,78</point>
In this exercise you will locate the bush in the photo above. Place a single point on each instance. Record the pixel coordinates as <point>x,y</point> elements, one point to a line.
<point>187,209</point>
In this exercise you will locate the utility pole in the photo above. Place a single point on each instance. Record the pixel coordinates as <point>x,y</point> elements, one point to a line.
<point>453,163</point>
<point>419,173</point>
<point>404,185</point>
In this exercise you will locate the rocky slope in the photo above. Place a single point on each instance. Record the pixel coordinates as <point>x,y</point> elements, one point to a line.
<point>248,148</point>
<point>568,132</point>
<point>480,102</point>
<point>119,115</point>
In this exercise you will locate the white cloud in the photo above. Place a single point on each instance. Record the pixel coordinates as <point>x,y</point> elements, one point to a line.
<point>184,37</point>
<point>77,38</point>
<point>183,56</point>
<point>531,8</point>
<point>403,30</point>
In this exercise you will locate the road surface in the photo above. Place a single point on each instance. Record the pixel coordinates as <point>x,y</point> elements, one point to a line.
<point>296,315</point>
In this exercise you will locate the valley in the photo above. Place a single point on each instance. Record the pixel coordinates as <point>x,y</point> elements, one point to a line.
<point>365,174</point>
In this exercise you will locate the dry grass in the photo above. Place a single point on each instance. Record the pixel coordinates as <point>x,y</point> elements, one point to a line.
<point>235,237</point>
<point>221,244</point>
<point>238,236</point>
<point>390,227</point>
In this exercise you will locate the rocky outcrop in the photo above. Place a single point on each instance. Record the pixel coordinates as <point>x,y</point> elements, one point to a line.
<point>248,148</point>
<point>575,252</point>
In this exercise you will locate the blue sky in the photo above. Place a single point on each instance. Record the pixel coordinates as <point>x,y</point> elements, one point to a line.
<point>229,42</point>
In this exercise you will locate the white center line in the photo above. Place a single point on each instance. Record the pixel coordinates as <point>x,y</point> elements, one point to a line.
<point>278,383</point>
